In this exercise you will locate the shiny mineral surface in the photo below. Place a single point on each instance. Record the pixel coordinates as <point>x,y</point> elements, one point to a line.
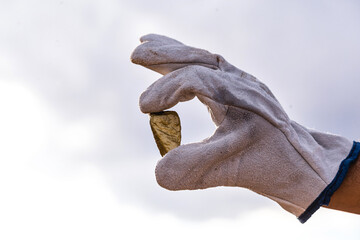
<point>166,129</point>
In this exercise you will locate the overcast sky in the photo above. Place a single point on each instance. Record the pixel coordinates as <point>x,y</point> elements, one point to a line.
<point>77,156</point>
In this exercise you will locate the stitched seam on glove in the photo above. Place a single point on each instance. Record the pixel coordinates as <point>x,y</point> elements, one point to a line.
<point>304,158</point>
<point>287,139</point>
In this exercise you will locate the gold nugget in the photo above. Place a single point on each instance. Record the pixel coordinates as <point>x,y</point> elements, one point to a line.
<point>166,129</point>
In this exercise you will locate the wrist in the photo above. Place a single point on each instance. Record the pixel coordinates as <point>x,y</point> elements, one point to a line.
<point>347,196</point>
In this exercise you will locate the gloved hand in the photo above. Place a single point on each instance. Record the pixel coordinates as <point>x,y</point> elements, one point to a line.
<point>255,145</point>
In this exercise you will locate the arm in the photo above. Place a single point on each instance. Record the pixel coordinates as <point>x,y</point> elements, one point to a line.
<point>347,197</point>
<point>255,145</point>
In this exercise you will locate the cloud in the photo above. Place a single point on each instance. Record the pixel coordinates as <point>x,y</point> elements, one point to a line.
<point>75,58</point>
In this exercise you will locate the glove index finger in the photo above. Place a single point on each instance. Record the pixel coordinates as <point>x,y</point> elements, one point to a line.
<point>183,85</point>
<point>166,92</point>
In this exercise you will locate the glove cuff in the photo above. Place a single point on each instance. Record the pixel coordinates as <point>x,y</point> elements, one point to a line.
<point>325,195</point>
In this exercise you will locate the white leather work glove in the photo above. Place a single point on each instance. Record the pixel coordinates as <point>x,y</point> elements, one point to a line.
<point>255,145</point>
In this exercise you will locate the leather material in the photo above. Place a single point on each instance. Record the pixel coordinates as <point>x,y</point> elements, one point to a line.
<point>255,145</point>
